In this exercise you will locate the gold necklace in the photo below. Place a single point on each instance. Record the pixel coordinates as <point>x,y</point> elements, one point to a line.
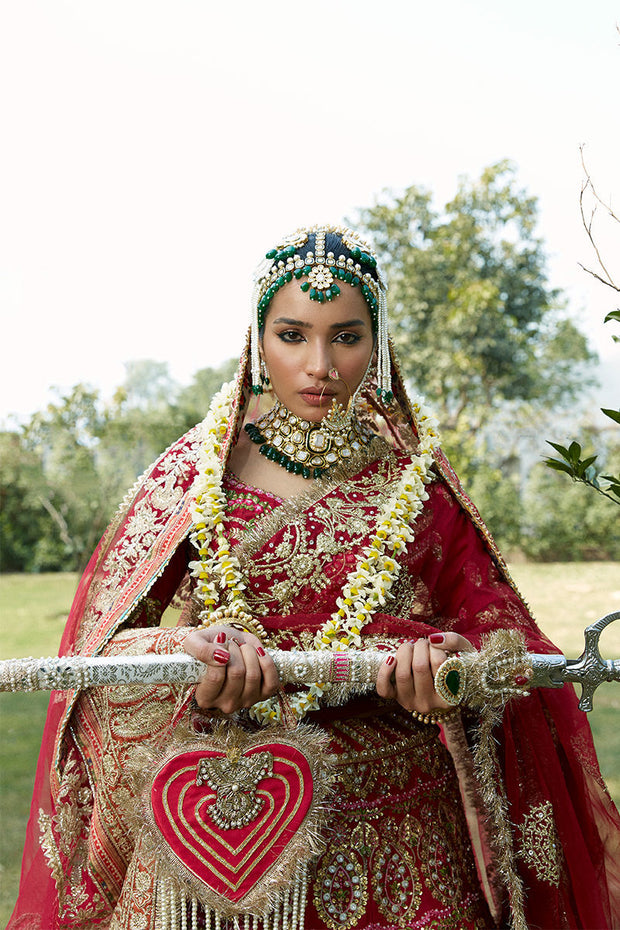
<point>306,448</point>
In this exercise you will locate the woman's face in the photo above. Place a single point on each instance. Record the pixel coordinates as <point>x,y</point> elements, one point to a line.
<point>303,340</point>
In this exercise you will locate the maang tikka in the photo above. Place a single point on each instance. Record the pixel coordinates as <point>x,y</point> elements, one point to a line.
<point>322,276</point>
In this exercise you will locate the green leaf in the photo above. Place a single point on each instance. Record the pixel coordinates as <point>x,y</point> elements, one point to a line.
<point>574,452</point>
<point>558,448</point>
<point>559,466</point>
<point>613,315</point>
<point>612,414</point>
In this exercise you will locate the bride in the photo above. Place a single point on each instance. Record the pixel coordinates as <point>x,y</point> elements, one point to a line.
<point>311,509</point>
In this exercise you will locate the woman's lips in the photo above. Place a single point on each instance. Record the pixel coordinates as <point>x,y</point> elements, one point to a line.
<point>317,398</point>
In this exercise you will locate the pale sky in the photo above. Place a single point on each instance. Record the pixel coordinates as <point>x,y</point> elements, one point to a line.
<point>152,151</point>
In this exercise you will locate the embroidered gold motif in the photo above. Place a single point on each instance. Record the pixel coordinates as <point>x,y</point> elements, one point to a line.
<point>153,499</point>
<point>540,847</point>
<point>396,884</point>
<point>418,866</point>
<point>235,778</point>
<point>341,885</point>
<point>63,841</point>
<point>312,554</point>
<point>116,724</point>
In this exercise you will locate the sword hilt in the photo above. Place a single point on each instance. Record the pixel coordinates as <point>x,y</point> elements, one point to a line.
<point>590,669</point>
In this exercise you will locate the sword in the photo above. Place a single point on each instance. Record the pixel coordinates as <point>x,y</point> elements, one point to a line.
<point>502,669</point>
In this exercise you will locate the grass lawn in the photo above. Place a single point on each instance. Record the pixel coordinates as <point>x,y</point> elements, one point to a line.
<point>33,608</point>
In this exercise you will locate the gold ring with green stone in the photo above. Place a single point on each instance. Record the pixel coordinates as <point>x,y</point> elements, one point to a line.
<point>450,680</point>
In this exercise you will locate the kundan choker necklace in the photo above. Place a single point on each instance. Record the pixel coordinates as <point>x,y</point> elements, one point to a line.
<point>306,448</point>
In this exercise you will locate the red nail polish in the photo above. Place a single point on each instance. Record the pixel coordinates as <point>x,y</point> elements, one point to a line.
<point>389,660</point>
<point>260,651</point>
<point>220,638</point>
<point>436,638</point>
<point>412,642</point>
<point>221,656</point>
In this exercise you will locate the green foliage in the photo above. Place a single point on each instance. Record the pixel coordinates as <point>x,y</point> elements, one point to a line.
<point>63,474</point>
<point>584,469</point>
<point>27,532</point>
<point>473,317</point>
<point>613,315</point>
<point>563,524</point>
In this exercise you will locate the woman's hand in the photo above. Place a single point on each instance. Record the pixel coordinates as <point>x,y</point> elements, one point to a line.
<point>239,672</point>
<point>407,676</point>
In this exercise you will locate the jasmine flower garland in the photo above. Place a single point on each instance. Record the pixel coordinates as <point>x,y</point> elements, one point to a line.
<point>218,573</point>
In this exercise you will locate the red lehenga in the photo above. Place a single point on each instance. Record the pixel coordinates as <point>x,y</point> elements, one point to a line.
<point>407,845</point>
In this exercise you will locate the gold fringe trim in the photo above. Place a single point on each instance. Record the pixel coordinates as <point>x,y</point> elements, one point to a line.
<point>490,685</point>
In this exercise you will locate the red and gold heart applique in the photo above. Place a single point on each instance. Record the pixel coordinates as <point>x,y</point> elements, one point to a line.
<point>239,818</point>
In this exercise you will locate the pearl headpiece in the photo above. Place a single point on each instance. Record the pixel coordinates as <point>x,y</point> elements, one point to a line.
<point>323,274</point>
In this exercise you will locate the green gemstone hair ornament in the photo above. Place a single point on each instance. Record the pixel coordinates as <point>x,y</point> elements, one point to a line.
<point>318,275</point>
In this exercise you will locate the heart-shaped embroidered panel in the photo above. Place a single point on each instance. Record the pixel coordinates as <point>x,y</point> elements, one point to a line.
<point>198,798</point>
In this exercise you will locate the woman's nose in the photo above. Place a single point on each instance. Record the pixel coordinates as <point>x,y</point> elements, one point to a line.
<point>318,360</point>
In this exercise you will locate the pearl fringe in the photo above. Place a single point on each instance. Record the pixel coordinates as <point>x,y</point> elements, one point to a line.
<point>175,910</point>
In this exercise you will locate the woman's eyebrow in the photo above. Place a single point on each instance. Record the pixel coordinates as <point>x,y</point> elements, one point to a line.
<point>290,322</point>
<point>344,324</point>
<point>347,323</point>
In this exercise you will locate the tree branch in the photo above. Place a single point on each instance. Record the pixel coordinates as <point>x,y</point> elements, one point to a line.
<point>60,522</point>
<point>587,225</point>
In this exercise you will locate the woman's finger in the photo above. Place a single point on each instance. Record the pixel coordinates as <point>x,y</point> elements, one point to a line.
<point>395,678</point>
<point>253,677</point>
<point>271,678</point>
<point>212,682</point>
<point>443,643</point>
<point>384,684</point>
<point>424,684</point>
<point>450,642</point>
<point>231,697</point>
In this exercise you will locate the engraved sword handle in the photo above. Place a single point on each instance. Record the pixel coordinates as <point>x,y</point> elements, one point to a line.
<point>590,669</point>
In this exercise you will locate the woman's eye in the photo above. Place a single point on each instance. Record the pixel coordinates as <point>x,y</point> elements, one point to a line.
<point>290,335</point>
<point>348,339</point>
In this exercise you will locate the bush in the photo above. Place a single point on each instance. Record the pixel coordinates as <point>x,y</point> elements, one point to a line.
<point>565,522</point>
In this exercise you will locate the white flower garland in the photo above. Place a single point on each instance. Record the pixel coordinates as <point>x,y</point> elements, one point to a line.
<point>367,587</point>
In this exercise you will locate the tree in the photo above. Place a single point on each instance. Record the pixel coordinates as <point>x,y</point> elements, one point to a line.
<point>63,474</point>
<point>473,317</point>
<point>65,438</point>
<point>572,461</point>
<point>29,540</point>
